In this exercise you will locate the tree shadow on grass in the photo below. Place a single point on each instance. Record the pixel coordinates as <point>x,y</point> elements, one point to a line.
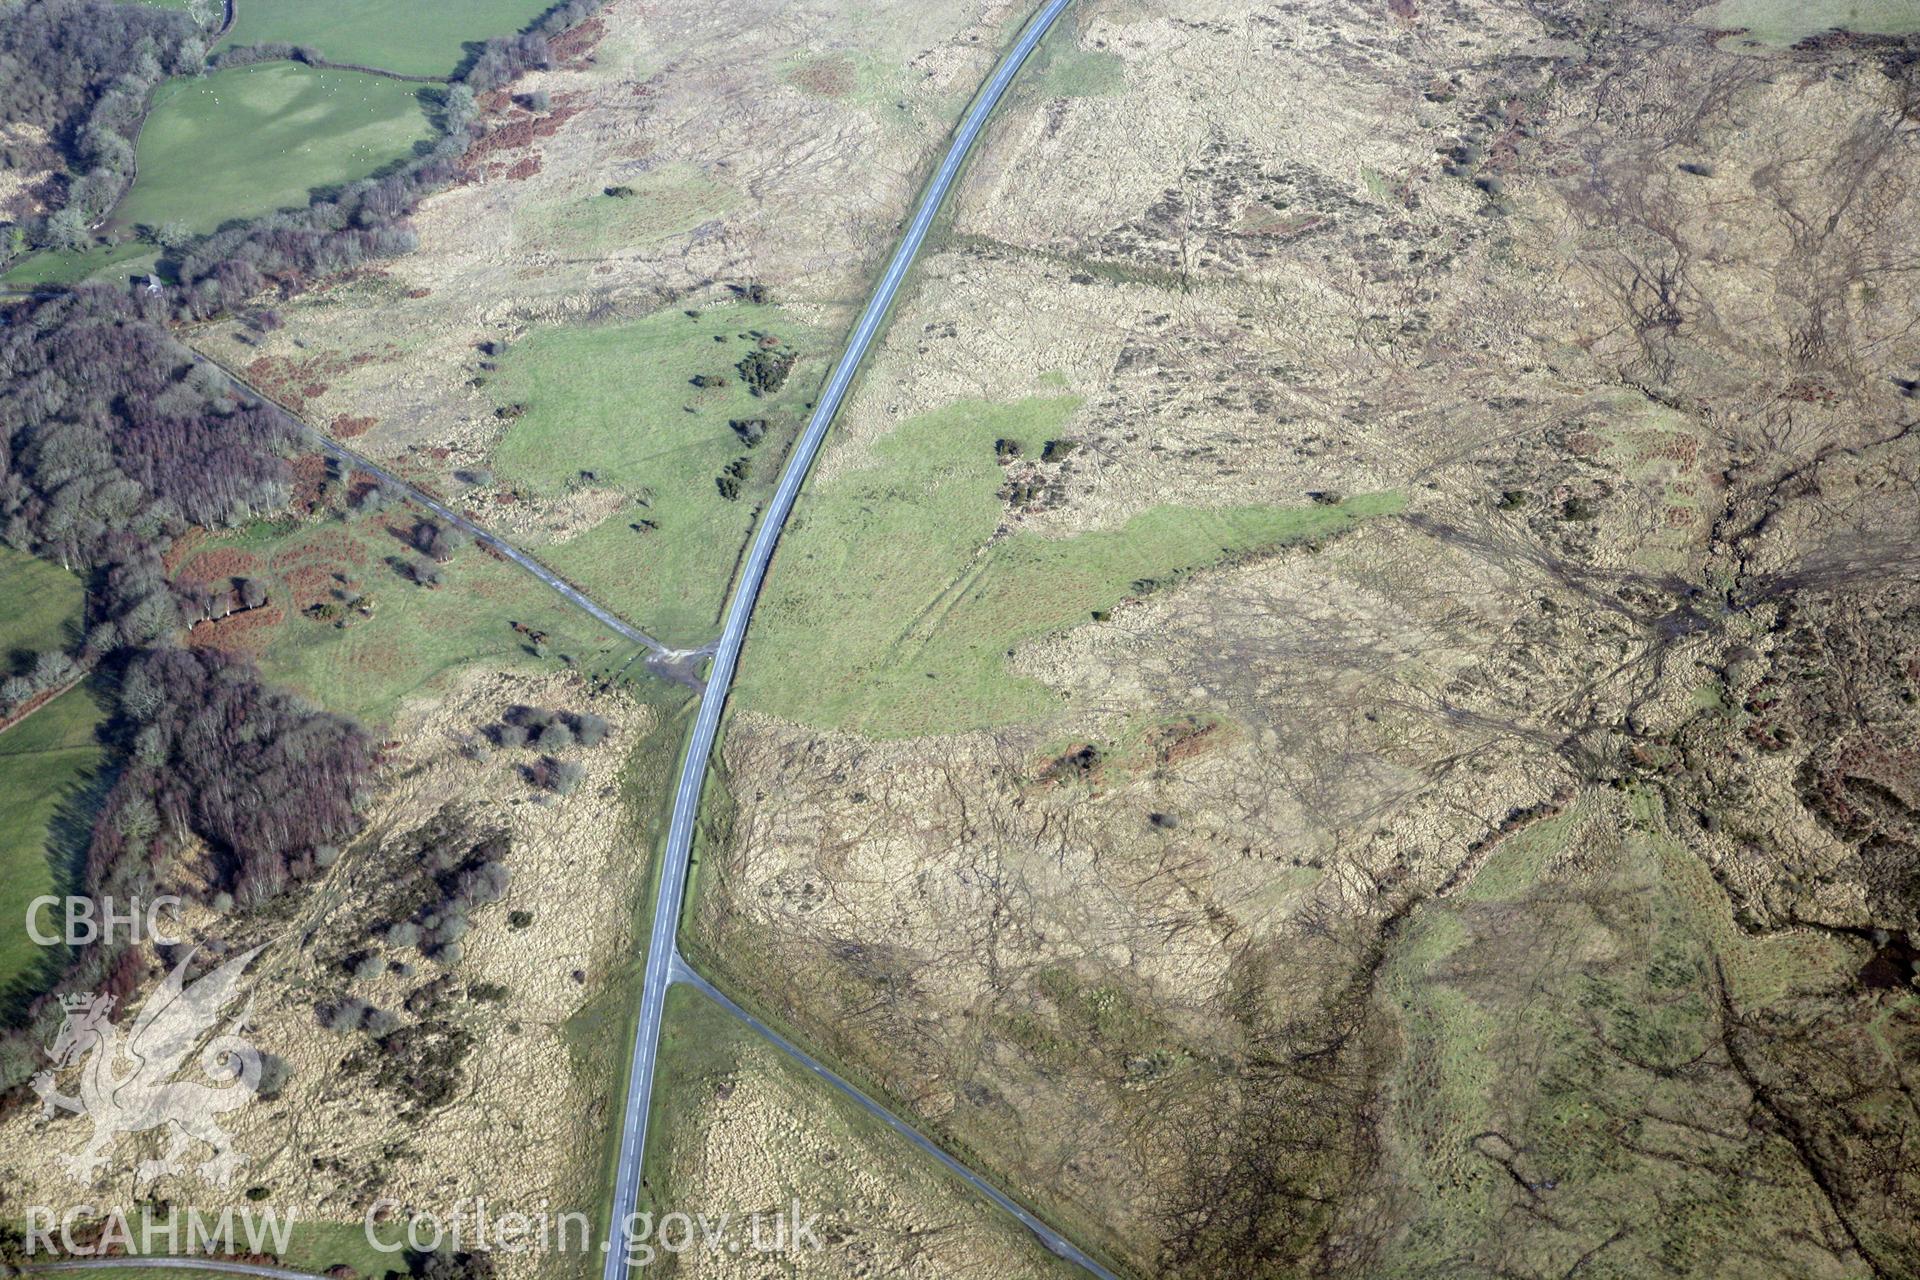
<point>69,834</point>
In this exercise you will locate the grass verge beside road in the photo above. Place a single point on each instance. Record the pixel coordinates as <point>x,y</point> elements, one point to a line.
<point>743,1130</point>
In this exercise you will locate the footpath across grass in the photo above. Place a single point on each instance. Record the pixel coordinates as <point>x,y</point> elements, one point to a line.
<point>892,608</point>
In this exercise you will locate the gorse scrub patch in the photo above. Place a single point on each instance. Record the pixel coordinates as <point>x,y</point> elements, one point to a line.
<point>891,608</point>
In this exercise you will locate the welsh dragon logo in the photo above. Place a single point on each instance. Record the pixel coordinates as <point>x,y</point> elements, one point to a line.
<point>127,1086</point>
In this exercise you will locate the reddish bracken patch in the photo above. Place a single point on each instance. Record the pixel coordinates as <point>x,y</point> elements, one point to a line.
<point>247,632</point>
<point>326,554</point>
<point>309,474</point>
<point>1183,741</point>
<point>346,427</point>
<point>418,293</point>
<point>524,169</point>
<point>182,550</point>
<point>294,382</point>
<point>1810,391</point>
<point>312,584</point>
<point>1674,446</point>
<point>570,48</point>
<point>518,133</point>
<point>218,563</point>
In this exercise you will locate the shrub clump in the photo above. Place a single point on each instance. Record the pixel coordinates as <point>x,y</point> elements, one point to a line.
<point>765,372</point>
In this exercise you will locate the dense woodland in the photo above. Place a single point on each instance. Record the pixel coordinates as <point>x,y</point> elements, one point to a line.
<point>113,441</point>
<point>268,783</point>
<point>83,71</point>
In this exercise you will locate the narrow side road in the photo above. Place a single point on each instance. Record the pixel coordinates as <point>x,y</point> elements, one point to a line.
<point>216,1265</point>
<point>663,959</point>
<point>1055,1243</point>
<point>675,664</point>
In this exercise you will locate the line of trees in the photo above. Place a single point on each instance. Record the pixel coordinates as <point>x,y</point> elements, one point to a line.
<point>49,669</point>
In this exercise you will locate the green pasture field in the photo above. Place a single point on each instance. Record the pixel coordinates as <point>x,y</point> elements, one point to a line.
<point>891,608</point>
<point>110,262</point>
<point>247,141</point>
<point>410,37</point>
<point>43,608</point>
<point>614,407</point>
<point>47,763</point>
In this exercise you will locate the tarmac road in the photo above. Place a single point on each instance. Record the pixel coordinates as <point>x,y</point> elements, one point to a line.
<point>1055,1243</point>
<point>677,664</point>
<point>663,959</point>
<point>173,1264</point>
